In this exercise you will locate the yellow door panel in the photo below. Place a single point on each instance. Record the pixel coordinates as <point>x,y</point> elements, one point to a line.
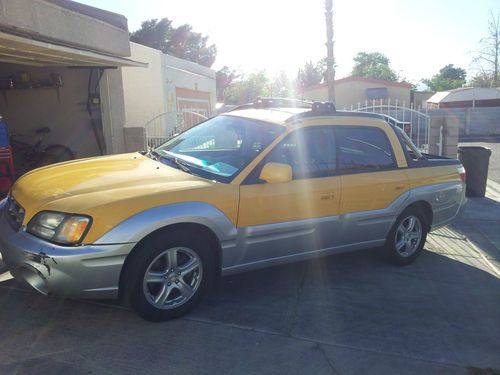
<point>294,200</point>
<point>372,191</point>
<point>434,175</point>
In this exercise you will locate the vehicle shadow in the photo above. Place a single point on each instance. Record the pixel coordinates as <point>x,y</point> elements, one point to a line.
<point>437,309</point>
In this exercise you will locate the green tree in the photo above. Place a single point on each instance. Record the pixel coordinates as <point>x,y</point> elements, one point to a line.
<point>180,41</point>
<point>281,86</point>
<point>373,65</point>
<point>481,80</point>
<point>223,78</point>
<point>246,89</point>
<point>311,74</point>
<point>448,78</point>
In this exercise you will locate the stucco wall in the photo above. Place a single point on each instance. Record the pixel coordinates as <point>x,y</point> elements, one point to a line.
<point>472,121</point>
<point>144,92</point>
<point>28,109</point>
<point>48,21</point>
<point>151,91</point>
<point>113,110</point>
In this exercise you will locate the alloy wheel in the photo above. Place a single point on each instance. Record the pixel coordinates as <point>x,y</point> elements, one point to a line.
<point>408,236</point>
<point>172,278</point>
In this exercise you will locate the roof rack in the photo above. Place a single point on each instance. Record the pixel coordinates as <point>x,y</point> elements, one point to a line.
<point>330,112</point>
<point>275,103</point>
<point>317,109</point>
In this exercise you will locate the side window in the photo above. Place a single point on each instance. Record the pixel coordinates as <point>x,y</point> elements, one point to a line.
<point>309,151</point>
<point>363,148</point>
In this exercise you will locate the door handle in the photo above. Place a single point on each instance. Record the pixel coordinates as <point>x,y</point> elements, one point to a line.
<point>327,196</point>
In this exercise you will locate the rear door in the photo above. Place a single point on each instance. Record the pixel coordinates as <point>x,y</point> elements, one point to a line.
<point>371,182</point>
<point>284,219</point>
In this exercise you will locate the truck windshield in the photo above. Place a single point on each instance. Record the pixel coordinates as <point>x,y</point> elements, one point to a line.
<point>219,148</point>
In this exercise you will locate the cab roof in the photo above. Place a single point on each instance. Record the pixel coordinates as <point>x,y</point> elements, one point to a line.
<point>287,111</point>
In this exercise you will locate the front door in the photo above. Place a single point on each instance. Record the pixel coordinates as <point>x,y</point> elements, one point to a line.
<point>286,219</point>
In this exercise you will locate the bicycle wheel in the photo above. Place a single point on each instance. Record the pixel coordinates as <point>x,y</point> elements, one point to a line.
<point>55,154</point>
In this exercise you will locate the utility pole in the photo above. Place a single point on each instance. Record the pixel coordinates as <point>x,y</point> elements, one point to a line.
<point>330,60</point>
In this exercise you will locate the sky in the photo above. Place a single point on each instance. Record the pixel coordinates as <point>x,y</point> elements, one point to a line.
<point>419,37</point>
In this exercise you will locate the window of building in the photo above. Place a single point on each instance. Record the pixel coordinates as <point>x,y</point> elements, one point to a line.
<point>376,93</point>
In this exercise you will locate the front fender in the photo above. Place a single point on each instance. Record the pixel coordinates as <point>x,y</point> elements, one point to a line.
<point>138,226</point>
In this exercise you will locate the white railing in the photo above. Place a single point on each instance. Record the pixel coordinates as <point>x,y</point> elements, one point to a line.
<point>414,121</point>
<point>164,126</point>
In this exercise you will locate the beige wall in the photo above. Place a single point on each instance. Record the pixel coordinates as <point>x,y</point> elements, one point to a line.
<point>28,109</point>
<point>144,93</point>
<point>354,92</point>
<point>151,91</point>
<point>113,110</point>
<point>420,98</point>
<point>50,21</point>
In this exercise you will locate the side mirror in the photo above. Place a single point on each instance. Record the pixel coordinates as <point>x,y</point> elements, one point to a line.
<point>274,173</point>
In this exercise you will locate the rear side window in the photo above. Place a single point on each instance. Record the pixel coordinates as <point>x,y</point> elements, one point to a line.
<point>363,149</point>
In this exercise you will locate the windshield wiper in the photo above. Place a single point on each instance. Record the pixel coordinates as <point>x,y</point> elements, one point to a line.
<point>179,163</point>
<point>153,155</point>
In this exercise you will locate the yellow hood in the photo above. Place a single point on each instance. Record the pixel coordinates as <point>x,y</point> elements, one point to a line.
<point>112,188</point>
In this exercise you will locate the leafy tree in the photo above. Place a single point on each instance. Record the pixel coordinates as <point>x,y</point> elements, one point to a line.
<point>448,78</point>
<point>481,80</point>
<point>311,74</point>
<point>281,86</point>
<point>224,77</point>
<point>180,42</point>
<point>373,65</point>
<point>248,88</point>
<point>488,57</point>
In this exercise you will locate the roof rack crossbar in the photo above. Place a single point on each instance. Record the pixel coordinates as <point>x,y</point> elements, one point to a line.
<point>275,103</point>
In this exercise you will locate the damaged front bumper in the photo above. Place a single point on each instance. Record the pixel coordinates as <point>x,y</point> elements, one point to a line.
<point>87,271</point>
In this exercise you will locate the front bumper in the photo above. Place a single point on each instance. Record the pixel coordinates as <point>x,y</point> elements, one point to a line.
<point>88,271</point>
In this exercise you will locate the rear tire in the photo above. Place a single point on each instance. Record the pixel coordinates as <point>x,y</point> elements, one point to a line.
<point>407,237</point>
<point>168,274</point>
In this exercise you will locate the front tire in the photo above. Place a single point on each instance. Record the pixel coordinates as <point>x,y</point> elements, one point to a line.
<point>407,237</point>
<point>169,274</point>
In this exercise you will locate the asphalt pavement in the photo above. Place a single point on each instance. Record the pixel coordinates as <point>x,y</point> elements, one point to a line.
<point>347,314</point>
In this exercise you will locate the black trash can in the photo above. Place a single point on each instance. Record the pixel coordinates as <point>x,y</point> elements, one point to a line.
<point>475,160</point>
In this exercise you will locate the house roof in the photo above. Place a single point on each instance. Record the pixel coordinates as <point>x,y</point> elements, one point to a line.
<point>358,79</point>
<point>465,94</point>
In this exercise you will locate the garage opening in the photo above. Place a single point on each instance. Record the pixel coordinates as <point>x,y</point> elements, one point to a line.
<point>52,99</point>
<point>53,113</point>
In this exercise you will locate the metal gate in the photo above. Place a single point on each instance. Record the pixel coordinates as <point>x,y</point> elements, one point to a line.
<point>165,125</point>
<point>415,122</point>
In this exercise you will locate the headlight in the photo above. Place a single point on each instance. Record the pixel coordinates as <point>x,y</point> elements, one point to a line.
<point>59,227</point>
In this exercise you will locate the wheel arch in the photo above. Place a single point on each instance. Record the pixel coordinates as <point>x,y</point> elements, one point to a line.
<point>426,209</point>
<point>198,228</point>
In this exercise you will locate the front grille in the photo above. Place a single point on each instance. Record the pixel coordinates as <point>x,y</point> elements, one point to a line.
<point>15,213</point>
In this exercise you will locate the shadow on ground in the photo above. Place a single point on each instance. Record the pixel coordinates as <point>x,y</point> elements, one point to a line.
<point>343,314</point>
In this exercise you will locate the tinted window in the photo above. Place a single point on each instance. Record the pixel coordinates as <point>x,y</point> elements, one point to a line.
<point>363,148</point>
<point>310,152</point>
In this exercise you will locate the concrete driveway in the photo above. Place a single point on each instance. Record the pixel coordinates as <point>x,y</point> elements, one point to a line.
<point>345,314</point>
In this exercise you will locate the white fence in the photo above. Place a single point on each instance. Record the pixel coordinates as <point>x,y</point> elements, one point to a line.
<point>164,126</point>
<point>415,122</point>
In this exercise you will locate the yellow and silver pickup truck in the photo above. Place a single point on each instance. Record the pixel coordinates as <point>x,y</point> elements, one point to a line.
<point>265,184</point>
